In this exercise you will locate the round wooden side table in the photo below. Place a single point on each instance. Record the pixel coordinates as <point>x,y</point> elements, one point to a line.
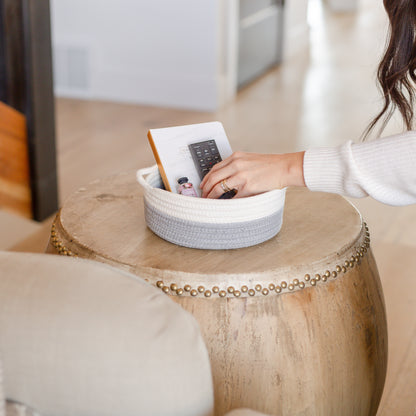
<point>293,326</point>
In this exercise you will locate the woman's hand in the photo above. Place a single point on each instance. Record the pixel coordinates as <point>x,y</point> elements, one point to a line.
<point>253,173</point>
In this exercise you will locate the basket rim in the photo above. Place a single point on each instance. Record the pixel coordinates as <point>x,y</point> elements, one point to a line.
<point>204,202</point>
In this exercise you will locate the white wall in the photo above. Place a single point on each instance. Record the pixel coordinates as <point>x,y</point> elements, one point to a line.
<point>178,53</point>
<point>159,52</point>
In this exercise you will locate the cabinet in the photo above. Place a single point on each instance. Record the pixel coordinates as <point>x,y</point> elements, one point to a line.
<point>260,39</point>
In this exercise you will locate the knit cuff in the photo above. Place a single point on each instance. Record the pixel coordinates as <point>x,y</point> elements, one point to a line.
<point>323,169</point>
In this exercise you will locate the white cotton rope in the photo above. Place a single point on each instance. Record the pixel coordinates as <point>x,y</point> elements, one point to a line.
<point>188,221</point>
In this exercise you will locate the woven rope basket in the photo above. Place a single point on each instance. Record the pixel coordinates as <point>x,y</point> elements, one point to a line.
<point>209,223</point>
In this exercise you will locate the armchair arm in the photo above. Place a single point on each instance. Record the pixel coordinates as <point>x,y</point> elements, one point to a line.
<point>79,338</point>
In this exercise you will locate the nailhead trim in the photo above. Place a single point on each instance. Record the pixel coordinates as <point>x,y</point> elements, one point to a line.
<point>274,288</point>
<point>230,291</point>
<point>60,248</point>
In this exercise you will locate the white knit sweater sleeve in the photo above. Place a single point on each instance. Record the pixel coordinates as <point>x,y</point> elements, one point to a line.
<point>384,169</point>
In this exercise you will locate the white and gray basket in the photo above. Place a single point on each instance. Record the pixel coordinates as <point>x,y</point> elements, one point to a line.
<point>209,223</point>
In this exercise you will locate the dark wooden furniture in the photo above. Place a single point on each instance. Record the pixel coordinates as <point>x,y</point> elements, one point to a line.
<point>26,85</point>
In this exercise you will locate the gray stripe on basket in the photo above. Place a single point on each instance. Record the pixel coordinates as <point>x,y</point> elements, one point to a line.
<point>212,236</point>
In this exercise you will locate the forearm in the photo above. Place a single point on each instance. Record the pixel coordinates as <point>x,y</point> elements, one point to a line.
<point>294,169</point>
<point>383,169</point>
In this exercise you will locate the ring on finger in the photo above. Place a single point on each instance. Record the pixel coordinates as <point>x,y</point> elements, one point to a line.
<point>224,186</point>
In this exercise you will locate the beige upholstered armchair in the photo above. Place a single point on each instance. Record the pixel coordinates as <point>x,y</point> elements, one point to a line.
<point>79,338</point>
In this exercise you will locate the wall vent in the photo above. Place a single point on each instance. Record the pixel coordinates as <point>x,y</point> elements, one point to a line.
<point>71,70</point>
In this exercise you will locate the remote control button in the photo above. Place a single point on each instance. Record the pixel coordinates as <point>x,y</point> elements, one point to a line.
<point>205,156</point>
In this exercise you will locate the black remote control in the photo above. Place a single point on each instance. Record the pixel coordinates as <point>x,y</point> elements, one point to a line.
<point>205,155</point>
<point>229,194</point>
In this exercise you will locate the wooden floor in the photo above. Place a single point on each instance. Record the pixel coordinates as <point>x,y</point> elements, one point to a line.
<point>323,96</point>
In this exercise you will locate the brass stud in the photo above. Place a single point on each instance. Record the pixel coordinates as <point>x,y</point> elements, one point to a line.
<point>359,253</point>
